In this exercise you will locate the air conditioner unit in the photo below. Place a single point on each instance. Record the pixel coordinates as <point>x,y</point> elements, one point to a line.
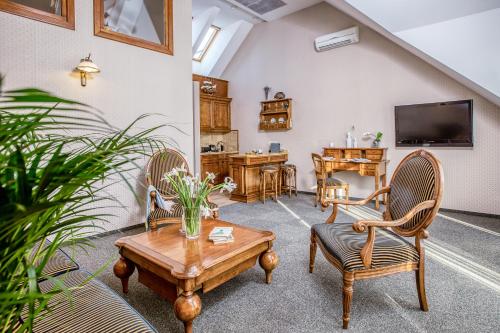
<point>337,39</point>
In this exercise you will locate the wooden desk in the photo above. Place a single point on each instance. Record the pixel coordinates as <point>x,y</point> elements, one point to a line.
<point>244,170</point>
<point>377,167</point>
<point>175,267</point>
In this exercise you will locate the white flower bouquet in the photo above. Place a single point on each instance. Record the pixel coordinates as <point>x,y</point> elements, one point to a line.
<point>192,194</point>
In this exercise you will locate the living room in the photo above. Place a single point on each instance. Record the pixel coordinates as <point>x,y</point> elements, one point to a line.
<point>174,166</point>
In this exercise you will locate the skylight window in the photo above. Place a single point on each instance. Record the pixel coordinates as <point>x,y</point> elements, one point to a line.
<point>206,43</point>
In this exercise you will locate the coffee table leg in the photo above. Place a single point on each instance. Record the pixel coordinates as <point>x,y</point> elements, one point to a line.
<point>123,269</point>
<point>187,307</point>
<point>268,261</point>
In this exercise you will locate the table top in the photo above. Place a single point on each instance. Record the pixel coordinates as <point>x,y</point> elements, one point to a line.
<point>169,249</point>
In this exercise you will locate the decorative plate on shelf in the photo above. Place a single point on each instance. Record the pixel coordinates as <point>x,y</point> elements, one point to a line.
<point>273,121</point>
<point>281,120</point>
<point>279,95</point>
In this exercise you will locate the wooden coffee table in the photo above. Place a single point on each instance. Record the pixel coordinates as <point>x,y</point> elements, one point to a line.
<point>175,267</point>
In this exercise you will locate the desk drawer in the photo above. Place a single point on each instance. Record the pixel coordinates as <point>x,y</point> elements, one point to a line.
<point>367,172</point>
<point>345,166</point>
<point>368,166</point>
<point>374,157</point>
<point>353,153</point>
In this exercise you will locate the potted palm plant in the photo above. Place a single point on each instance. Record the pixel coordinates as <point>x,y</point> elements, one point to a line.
<point>57,159</point>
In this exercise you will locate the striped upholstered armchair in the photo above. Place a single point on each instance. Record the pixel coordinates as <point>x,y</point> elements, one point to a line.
<point>160,163</point>
<point>414,196</point>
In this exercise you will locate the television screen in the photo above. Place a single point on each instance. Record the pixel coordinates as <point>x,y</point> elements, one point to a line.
<point>434,124</point>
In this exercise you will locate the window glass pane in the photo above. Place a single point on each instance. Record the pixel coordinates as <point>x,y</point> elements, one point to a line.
<point>50,6</point>
<point>205,43</point>
<point>137,18</point>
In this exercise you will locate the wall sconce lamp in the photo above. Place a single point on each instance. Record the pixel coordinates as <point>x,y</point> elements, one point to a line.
<point>86,66</point>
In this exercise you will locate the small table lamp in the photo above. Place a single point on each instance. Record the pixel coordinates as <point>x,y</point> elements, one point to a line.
<point>86,66</point>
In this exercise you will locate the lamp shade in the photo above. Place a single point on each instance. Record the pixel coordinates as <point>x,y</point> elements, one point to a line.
<point>87,66</point>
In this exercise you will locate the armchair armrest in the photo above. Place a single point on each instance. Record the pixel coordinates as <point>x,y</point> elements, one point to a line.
<point>336,202</point>
<point>326,202</point>
<point>361,226</point>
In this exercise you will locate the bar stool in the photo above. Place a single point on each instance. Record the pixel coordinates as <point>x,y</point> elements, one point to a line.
<point>271,172</point>
<point>289,178</point>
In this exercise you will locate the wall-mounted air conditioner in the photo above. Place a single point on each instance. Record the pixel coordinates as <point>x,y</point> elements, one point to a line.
<point>337,39</point>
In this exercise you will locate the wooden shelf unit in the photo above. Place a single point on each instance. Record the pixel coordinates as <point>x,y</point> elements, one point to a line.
<point>276,109</point>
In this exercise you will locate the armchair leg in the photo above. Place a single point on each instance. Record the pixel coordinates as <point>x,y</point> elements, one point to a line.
<point>316,198</point>
<point>312,251</point>
<point>347,291</point>
<point>420,277</point>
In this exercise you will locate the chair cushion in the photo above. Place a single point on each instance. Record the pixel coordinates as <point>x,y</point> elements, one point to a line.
<point>342,242</point>
<point>91,308</point>
<point>330,181</point>
<point>159,214</point>
<point>58,264</point>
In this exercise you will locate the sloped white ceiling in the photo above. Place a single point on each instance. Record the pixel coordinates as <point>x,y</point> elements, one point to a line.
<point>398,15</point>
<point>459,37</point>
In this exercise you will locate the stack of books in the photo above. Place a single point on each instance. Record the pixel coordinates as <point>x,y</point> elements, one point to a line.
<point>221,235</point>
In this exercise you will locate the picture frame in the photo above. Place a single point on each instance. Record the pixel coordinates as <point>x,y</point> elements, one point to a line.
<point>136,23</point>
<point>66,18</point>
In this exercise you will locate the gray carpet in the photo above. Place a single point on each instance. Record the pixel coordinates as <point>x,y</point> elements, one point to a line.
<point>297,301</point>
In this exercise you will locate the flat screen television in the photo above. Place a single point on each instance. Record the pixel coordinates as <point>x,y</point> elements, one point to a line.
<point>447,124</point>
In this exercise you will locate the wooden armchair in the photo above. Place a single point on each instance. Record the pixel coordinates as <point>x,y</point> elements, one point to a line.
<point>414,196</point>
<point>160,163</point>
<point>326,184</point>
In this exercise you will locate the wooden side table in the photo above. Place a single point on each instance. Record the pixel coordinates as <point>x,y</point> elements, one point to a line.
<point>175,267</point>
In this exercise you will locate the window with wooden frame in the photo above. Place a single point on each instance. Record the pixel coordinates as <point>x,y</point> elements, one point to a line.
<point>206,43</point>
<point>56,12</point>
<point>143,23</point>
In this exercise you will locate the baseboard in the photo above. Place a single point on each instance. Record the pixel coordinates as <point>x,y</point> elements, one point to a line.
<point>441,210</point>
<point>466,212</point>
<point>116,231</point>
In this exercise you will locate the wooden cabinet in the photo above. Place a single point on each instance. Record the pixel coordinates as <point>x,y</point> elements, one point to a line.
<point>215,114</point>
<point>205,114</point>
<point>217,164</point>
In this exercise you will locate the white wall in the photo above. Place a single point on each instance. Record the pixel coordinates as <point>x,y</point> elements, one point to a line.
<point>133,80</point>
<point>358,84</point>
<point>469,45</point>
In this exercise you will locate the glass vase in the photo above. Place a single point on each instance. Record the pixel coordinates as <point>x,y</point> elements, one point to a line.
<point>191,222</point>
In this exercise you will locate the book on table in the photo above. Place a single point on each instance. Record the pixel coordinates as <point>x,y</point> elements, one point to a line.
<point>220,235</point>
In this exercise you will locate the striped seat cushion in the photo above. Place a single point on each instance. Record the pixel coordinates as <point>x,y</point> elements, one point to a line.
<point>345,244</point>
<point>159,214</point>
<point>58,264</point>
<point>92,308</point>
<point>330,181</point>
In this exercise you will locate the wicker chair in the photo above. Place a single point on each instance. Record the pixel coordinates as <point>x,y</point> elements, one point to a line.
<point>326,184</point>
<point>414,196</point>
<point>160,163</point>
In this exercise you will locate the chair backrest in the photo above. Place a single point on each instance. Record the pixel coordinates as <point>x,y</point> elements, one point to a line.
<point>159,164</point>
<point>319,166</point>
<point>418,178</point>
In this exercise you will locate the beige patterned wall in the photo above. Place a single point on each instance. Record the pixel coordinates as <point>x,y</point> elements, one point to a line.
<point>132,81</point>
<point>359,84</point>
